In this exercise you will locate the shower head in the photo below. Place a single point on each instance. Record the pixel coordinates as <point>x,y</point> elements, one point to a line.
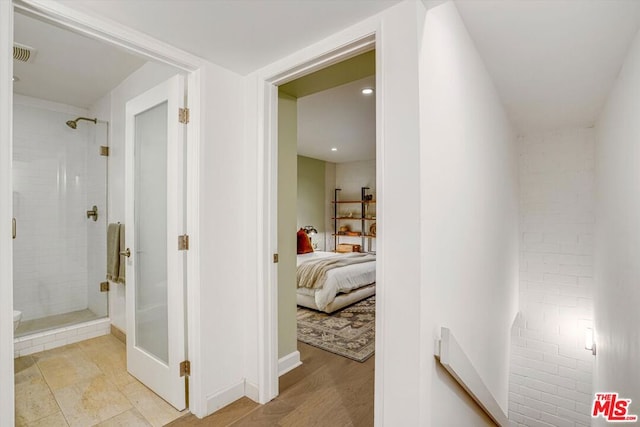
<point>73,124</point>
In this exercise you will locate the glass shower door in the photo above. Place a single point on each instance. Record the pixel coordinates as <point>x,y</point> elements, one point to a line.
<point>59,253</point>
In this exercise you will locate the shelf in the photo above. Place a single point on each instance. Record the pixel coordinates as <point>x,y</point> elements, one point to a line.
<point>353,201</point>
<point>355,237</point>
<point>355,218</point>
<point>361,252</point>
<point>363,212</point>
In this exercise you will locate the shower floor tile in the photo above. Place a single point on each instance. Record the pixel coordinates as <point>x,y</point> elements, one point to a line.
<point>85,384</point>
<point>57,321</point>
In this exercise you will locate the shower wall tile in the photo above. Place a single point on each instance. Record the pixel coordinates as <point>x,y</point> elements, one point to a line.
<point>52,171</point>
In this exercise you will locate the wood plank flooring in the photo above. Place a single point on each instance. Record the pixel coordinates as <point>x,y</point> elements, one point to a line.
<point>327,390</point>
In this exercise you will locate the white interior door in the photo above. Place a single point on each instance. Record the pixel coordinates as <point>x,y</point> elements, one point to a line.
<point>154,177</point>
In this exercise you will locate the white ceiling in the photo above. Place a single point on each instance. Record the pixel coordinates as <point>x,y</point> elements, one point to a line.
<point>553,61</point>
<point>341,117</point>
<point>68,67</point>
<point>241,35</point>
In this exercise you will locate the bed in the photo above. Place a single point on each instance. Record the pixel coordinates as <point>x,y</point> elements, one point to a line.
<point>344,284</point>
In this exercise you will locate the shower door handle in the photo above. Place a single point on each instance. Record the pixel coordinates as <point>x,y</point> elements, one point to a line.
<point>93,213</point>
<point>14,228</point>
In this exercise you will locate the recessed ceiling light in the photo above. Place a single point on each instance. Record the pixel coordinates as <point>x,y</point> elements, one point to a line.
<point>367,91</point>
<point>334,149</point>
<point>15,79</point>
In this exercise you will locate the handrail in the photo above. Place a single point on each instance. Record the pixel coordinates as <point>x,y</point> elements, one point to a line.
<point>456,362</point>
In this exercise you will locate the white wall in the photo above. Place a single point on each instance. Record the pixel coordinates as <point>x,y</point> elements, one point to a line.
<point>617,295</point>
<point>111,108</point>
<point>551,372</point>
<point>400,375</point>
<point>469,215</point>
<point>224,240</point>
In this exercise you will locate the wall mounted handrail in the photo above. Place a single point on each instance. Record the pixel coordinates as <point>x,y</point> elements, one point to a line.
<point>456,362</point>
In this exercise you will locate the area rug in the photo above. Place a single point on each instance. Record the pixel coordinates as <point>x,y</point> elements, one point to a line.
<point>349,332</point>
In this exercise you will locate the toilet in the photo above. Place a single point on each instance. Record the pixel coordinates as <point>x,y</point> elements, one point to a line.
<point>17,315</point>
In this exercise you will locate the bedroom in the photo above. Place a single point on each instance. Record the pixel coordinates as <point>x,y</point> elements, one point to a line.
<point>326,142</point>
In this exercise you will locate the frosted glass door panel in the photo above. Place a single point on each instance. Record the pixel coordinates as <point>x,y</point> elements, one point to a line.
<point>154,217</point>
<point>150,208</point>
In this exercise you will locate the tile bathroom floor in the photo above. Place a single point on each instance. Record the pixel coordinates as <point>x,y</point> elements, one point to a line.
<point>85,384</point>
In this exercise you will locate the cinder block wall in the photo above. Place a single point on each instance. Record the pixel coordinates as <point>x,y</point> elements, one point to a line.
<point>551,372</point>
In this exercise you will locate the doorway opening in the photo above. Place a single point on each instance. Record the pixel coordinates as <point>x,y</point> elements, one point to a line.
<point>70,176</point>
<point>327,217</point>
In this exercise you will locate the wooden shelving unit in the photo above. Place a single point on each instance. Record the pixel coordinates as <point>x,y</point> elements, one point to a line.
<point>364,204</point>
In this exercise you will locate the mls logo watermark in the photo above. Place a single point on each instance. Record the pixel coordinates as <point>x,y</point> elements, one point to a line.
<point>612,408</point>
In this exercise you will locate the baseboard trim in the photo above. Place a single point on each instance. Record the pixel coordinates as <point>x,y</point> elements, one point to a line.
<point>251,391</point>
<point>224,397</point>
<point>289,362</point>
<point>119,333</point>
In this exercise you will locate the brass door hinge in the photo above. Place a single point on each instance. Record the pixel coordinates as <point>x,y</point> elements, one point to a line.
<point>104,287</point>
<point>185,368</point>
<point>104,150</point>
<point>183,115</point>
<point>183,242</point>
<point>275,258</point>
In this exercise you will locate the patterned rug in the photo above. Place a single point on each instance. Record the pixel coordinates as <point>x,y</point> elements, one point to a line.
<point>349,332</point>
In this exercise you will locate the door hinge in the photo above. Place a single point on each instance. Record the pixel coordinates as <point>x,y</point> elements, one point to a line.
<point>183,242</point>
<point>275,258</point>
<point>183,115</point>
<point>104,286</point>
<point>104,150</point>
<point>185,368</point>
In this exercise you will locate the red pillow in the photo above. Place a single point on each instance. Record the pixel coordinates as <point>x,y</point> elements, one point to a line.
<point>304,243</point>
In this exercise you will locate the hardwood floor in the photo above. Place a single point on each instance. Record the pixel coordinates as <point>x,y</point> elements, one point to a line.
<point>327,390</point>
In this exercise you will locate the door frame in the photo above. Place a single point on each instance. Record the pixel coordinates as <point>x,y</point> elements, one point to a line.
<point>150,48</point>
<point>351,42</point>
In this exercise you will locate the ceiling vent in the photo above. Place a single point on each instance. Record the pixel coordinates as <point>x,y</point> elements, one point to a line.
<point>23,53</point>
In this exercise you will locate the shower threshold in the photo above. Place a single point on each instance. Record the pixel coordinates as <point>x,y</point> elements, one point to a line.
<point>56,321</point>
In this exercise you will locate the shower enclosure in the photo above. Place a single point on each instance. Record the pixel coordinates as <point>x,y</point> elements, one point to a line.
<point>60,211</point>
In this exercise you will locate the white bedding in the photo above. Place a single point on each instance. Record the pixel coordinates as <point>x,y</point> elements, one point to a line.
<point>343,279</point>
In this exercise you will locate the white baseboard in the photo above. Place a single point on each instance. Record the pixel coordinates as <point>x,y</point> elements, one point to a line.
<point>229,395</point>
<point>251,391</point>
<point>224,397</point>
<point>289,362</point>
